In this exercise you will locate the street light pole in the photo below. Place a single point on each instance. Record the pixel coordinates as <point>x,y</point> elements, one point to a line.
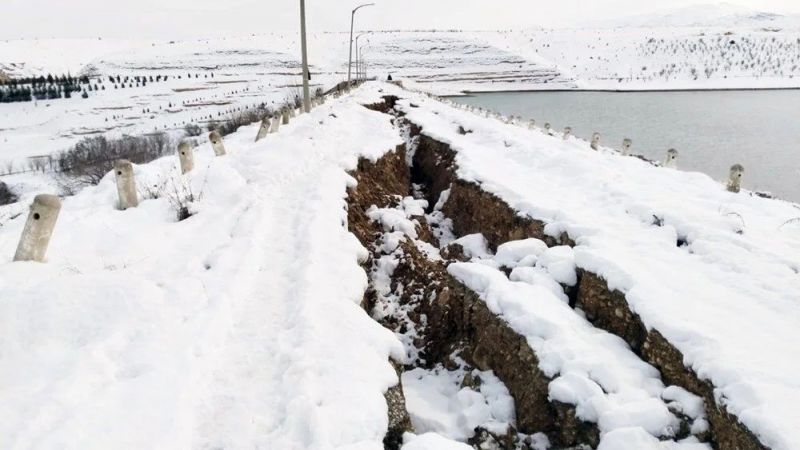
<point>304,51</point>
<point>358,55</point>
<point>362,67</point>
<point>352,21</point>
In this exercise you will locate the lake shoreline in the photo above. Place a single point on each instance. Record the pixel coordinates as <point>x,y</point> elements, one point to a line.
<point>712,129</point>
<point>471,93</point>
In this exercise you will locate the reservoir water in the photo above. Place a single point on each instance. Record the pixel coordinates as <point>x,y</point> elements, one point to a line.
<point>711,130</point>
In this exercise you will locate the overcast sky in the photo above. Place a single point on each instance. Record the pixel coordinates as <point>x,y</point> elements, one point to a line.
<point>191,18</point>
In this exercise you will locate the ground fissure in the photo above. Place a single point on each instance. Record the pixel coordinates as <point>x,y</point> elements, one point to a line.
<point>473,210</point>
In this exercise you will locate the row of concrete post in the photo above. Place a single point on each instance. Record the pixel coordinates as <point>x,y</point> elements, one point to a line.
<point>671,161</point>
<point>45,208</point>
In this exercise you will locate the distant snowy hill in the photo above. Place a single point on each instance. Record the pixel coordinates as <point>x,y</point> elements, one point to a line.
<point>706,15</point>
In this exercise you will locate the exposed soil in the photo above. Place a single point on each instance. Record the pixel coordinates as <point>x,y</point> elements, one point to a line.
<point>449,318</point>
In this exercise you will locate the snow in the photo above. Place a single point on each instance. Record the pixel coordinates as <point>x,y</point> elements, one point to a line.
<point>431,441</point>
<point>707,15</point>
<point>637,439</point>
<point>239,327</point>
<point>512,254</point>
<point>437,402</point>
<point>591,369</point>
<point>726,297</point>
<point>474,245</point>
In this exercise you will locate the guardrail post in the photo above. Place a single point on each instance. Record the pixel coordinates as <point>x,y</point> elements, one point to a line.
<point>126,184</point>
<point>216,143</point>
<point>626,146</point>
<point>186,156</point>
<point>595,141</point>
<point>672,159</point>
<point>38,228</point>
<point>735,178</point>
<point>263,130</point>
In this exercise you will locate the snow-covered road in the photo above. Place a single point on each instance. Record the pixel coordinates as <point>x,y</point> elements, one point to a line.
<point>239,327</point>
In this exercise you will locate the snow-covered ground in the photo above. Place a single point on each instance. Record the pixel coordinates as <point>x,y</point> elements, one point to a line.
<point>715,272</point>
<point>237,328</point>
<point>240,327</point>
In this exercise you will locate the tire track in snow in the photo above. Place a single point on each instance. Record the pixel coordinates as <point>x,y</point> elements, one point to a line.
<point>244,405</point>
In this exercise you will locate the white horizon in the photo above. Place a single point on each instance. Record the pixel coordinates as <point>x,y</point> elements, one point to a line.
<point>186,19</point>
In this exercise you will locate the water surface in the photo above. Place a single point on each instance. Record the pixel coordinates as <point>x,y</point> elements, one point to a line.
<point>711,130</point>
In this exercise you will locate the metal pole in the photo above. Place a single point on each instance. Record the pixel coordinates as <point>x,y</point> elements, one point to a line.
<point>358,55</point>
<point>352,20</point>
<point>361,62</point>
<point>306,93</point>
<point>350,60</point>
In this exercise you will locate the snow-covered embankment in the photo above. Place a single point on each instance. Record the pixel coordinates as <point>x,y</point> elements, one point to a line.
<point>700,282</point>
<point>239,327</point>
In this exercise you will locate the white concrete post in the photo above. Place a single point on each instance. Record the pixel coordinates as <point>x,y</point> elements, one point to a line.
<point>531,124</point>
<point>186,156</point>
<point>276,124</point>
<point>285,116</point>
<point>626,146</point>
<point>38,228</point>
<point>735,178</point>
<point>263,130</point>
<point>567,133</point>
<point>126,184</point>
<point>595,141</point>
<point>216,143</point>
<point>291,112</point>
<point>672,159</point>
<point>547,127</point>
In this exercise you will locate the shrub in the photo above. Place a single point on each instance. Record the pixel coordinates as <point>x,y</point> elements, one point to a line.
<point>92,158</point>
<point>246,117</point>
<point>193,130</point>
<point>6,195</point>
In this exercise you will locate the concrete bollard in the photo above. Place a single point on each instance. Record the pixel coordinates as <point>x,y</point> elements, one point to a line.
<point>626,146</point>
<point>285,116</point>
<point>38,228</point>
<point>263,129</point>
<point>672,159</point>
<point>276,124</point>
<point>216,143</point>
<point>567,133</point>
<point>126,184</point>
<point>186,156</point>
<point>532,124</point>
<point>735,178</point>
<point>595,141</point>
<point>291,112</point>
<point>547,128</point>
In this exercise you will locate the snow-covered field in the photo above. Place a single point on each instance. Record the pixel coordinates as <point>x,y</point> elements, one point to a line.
<point>265,69</point>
